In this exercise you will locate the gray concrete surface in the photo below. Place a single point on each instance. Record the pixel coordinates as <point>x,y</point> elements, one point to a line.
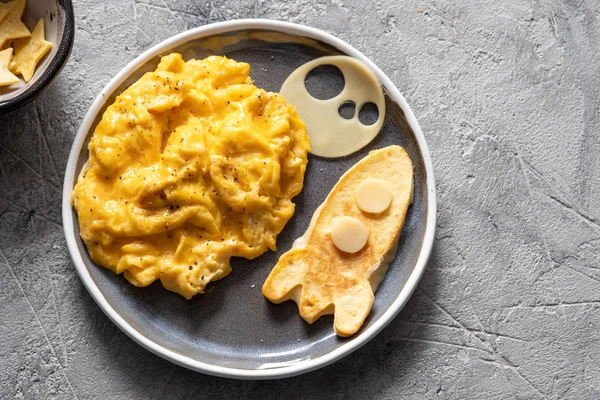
<point>508,95</point>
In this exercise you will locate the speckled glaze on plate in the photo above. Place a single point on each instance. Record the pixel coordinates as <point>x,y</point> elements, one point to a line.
<point>232,330</point>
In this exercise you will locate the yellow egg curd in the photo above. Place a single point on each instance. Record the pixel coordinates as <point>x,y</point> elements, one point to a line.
<point>190,166</point>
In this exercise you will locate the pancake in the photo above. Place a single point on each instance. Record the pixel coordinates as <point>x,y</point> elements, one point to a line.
<point>321,278</point>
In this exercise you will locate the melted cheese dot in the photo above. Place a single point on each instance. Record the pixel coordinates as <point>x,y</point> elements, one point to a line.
<point>349,234</point>
<point>373,196</point>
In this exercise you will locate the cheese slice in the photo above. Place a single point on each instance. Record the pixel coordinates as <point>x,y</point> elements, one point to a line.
<point>373,196</point>
<point>349,234</point>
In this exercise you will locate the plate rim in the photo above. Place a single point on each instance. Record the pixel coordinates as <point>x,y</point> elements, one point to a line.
<point>232,372</point>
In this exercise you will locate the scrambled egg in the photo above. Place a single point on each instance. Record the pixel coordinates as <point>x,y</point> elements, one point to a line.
<point>190,166</point>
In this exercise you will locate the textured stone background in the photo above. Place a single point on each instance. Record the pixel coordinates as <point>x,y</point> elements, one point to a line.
<point>507,93</point>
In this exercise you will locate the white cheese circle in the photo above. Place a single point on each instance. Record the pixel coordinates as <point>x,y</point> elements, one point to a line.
<point>373,196</point>
<point>349,234</point>
<point>331,135</point>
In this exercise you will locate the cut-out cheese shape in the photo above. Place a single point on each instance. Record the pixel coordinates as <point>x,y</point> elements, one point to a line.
<point>373,196</point>
<point>349,234</point>
<point>331,135</point>
<point>319,277</point>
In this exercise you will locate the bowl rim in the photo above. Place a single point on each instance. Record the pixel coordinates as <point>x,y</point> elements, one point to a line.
<point>197,365</point>
<point>53,69</point>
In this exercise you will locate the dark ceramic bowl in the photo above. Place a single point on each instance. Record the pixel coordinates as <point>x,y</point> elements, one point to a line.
<point>60,31</point>
<point>232,330</point>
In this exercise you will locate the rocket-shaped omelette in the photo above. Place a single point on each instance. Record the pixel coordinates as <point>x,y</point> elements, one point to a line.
<point>337,265</point>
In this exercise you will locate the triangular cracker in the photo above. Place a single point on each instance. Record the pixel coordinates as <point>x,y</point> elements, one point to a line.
<point>29,51</point>
<point>324,280</point>
<point>6,77</point>
<point>11,27</point>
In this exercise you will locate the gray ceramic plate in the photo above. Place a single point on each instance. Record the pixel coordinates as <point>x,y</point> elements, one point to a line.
<point>233,330</point>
